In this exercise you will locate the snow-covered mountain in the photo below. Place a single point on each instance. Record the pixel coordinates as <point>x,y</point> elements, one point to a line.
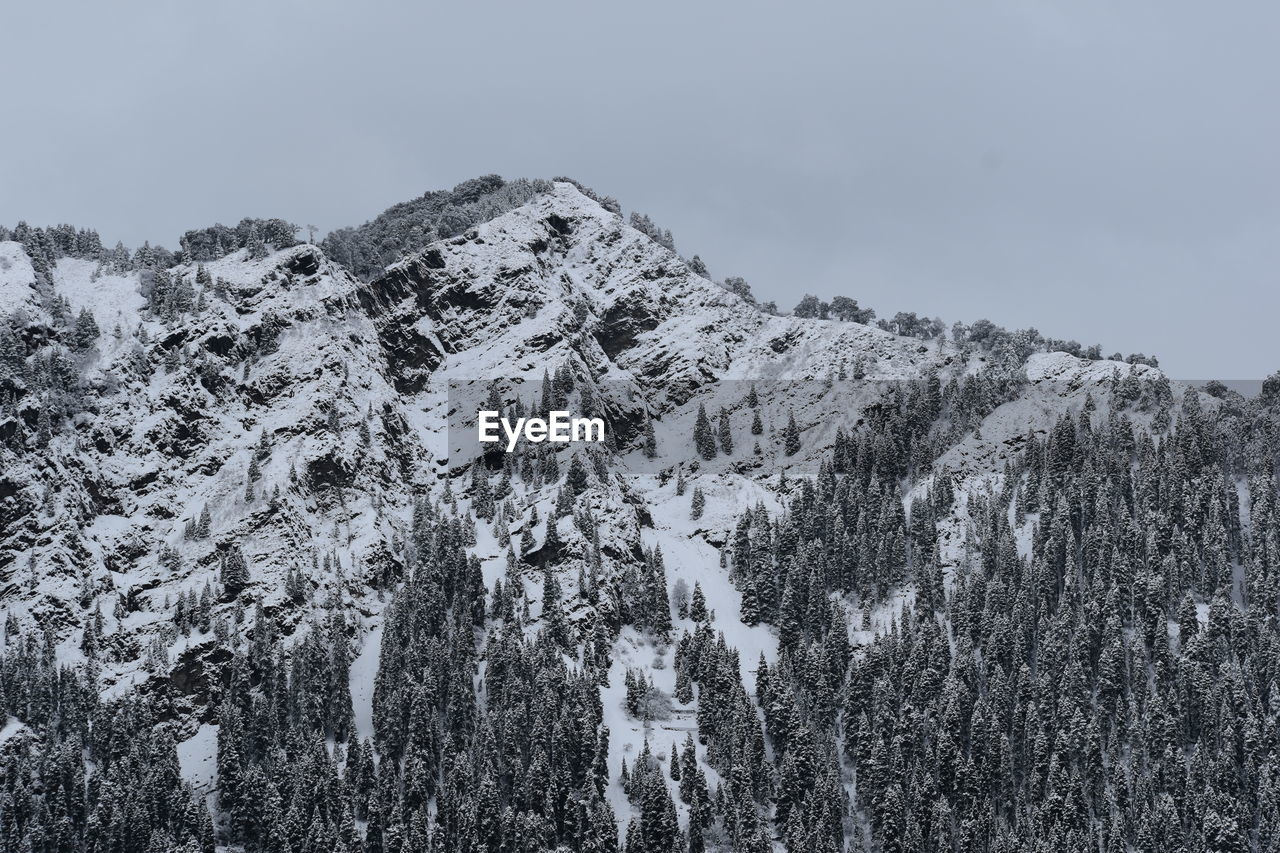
<point>177,409</point>
<point>279,409</point>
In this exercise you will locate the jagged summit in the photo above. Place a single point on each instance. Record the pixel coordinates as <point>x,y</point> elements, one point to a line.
<point>563,275</point>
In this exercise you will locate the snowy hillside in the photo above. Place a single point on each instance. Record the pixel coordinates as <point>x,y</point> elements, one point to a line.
<point>244,489</point>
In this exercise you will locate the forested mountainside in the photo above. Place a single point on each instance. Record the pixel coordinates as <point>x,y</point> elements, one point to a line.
<point>827,586</point>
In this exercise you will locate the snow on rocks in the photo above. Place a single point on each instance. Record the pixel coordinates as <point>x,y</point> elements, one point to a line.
<point>336,396</point>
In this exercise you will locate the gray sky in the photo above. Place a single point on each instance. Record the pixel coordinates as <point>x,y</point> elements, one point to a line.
<point>1100,170</point>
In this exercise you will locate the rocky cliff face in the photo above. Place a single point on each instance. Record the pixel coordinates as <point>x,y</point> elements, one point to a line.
<point>251,411</point>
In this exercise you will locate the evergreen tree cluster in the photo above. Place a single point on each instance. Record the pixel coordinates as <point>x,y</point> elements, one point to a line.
<point>409,226</point>
<point>1009,348</point>
<point>256,235</point>
<point>44,246</point>
<point>279,786</point>
<point>1109,684</point>
<point>86,774</point>
<point>641,594</point>
<point>736,815</point>
<point>644,700</point>
<point>655,827</point>
<point>650,229</point>
<point>41,388</point>
<point>846,535</point>
<point>519,765</point>
<point>170,295</point>
<point>799,697</point>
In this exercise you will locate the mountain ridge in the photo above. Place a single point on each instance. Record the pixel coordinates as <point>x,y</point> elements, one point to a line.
<point>480,306</point>
<point>253,461</point>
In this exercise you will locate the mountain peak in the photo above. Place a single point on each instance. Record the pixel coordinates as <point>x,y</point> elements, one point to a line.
<point>220,478</point>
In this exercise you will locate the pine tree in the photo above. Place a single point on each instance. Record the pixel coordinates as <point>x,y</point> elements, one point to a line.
<point>698,604</point>
<point>726,434</point>
<point>86,331</point>
<point>791,436</point>
<point>704,441</point>
<point>576,479</point>
<point>235,571</point>
<point>551,542</point>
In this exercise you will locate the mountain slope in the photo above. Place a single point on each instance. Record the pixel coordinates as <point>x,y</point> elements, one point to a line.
<point>249,490</point>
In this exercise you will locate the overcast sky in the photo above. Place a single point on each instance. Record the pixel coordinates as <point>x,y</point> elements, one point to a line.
<point>1099,170</point>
